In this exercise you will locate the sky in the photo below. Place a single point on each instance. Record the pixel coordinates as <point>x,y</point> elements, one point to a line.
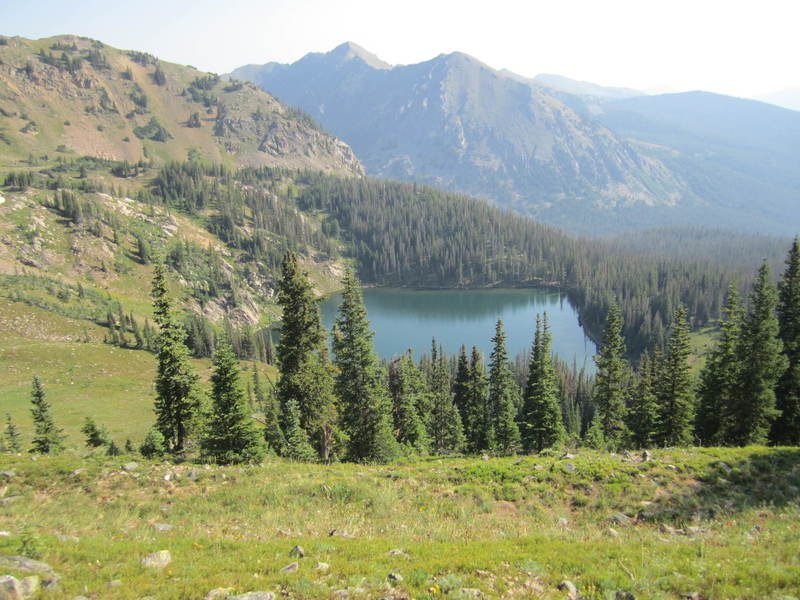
<point>741,48</point>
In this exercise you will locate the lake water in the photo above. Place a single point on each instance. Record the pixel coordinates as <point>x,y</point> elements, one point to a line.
<point>404,318</point>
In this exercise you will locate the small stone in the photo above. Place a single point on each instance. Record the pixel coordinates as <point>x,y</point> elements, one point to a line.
<point>538,467</point>
<point>569,587</point>
<point>297,552</point>
<point>290,568</point>
<point>321,566</point>
<point>10,500</point>
<point>157,560</point>
<point>567,456</point>
<point>162,527</point>
<point>647,456</point>
<point>664,528</point>
<point>27,565</point>
<point>69,538</point>
<point>287,532</point>
<point>518,461</point>
<point>218,593</point>
<point>115,583</point>
<point>613,532</point>
<point>570,467</point>
<point>395,577</point>
<point>131,466</point>
<point>78,472</point>
<point>485,457</point>
<point>562,522</point>
<point>397,552</point>
<point>621,519</point>
<point>724,466</point>
<point>471,592</point>
<point>692,596</point>
<point>193,475</point>
<point>672,467</point>
<point>7,474</point>
<point>10,588</point>
<point>254,596</point>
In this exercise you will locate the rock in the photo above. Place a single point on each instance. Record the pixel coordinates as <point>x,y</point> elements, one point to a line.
<point>398,552</point>
<point>624,596</point>
<point>162,527</point>
<point>193,475</point>
<point>297,552</point>
<point>157,560</point>
<point>218,593</point>
<point>321,566</point>
<point>10,588</point>
<point>724,466</point>
<point>692,596</point>
<point>570,467</point>
<point>664,528</point>
<point>672,467</point>
<point>538,467</point>
<point>115,583</point>
<point>485,457</point>
<point>131,466</point>
<point>647,456</point>
<point>567,456</point>
<point>621,519</point>
<point>30,585</point>
<point>254,596</point>
<point>69,538</point>
<point>290,568</point>
<point>78,472</point>
<point>287,532</point>
<point>471,592</point>
<point>562,522</point>
<point>518,461</point>
<point>569,587</point>
<point>394,577</point>
<point>10,500</point>
<point>7,474</point>
<point>28,565</point>
<point>613,532</point>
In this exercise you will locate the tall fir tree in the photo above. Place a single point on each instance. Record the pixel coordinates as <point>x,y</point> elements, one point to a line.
<point>461,382</point>
<point>503,432</point>
<point>786,429</point>
<point>95,436</point>
<point>47,438</point>
<point>718,391</point>
<point>643,412</point>
<point>611,382</point>
<point>476,415</point>
<point>298,446</point>
<point>675,390</point>
<point>762,365</point>
<point>230,436</point>
<point>267,403</point>
<point>176,404</point>
<point>541,421</point>
<point>365,407</point>
<point>12,441</point>
<point>447,434</point>
<point>407,385</point>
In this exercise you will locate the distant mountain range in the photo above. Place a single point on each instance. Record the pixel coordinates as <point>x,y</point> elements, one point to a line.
<point>571,153</point>
<point>71,96</point>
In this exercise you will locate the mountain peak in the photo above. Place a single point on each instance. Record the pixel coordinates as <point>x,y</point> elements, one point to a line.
<point>350,50</point>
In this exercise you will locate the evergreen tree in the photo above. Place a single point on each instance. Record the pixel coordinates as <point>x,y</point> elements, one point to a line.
<point>675,391</point>
<point>763,364</point>
<point>476,416</point>
<point>11,437</point>
<point>461,383</point>
<point>175,405</point>
<point>267,403</point>
<point>786,429</point>
<point>611,382</point>
<point>447,434</point>
<point>230,436</point>
<point>365,406</point>
<point>153,444</point>
<point>541,421</point>
<point>113,449</point>
<point>503,432</point>
<point>47,439</point>
<point>95,436</point>
<point>298,446</point>
<point>643,412</point>
<point>718,391</point>
<point>407,385</point>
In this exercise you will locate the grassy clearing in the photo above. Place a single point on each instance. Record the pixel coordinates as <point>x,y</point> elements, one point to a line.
<point>491,525</point>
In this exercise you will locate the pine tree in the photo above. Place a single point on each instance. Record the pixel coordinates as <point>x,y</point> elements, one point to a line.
<point>643,412</point>
<point>407,385</point>
<point>611,382</point>
<point>298,446</point>
<point>461,383</point>
<point>176,406</point>
<point>719,380</point>
<point>675,391</point>
<point>503,432</point>
<point>230,436</point>
<point>95,436</point>
<point>267,403</point>
<point>47,439</point>
<point>153,444</point>
<point>11,436</point>
<point>365,405</point>
<point>447,434</point>
<point>113,449</point>
<point>476,416</point>
<point>786,429</point>
<point>763,364</point>
<point>541,421</point>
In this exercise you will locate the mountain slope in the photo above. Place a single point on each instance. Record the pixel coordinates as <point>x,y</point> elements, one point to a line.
<point>75,96</point>
<point>582,160</point>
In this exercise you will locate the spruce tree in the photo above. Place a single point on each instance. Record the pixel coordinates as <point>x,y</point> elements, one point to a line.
<point>230,435</point>
<point>461,383</point>
<point>11,437</point>
<point>718,391</point>
<point>365,406</point>
<point>786,429</point>
<point>407,385</point>
<point>503,432</point>
<point>476,416</point>
<point>675,391</point>
<point>541,421</point>
<point>447,434</point>
<point>153,444</point>
<point>267,403</point>
<point>176,406</point>
<point>298,446</point>
<point>611,382</point>
<point>47,438</point>
<point>763,364</point>
<point>643,412</point>
<point>95,436</point>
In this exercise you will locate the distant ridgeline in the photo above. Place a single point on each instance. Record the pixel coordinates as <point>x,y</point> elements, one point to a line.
<point>410,235</point>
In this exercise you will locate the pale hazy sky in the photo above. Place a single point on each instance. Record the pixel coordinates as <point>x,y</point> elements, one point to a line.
<point>731,47</point>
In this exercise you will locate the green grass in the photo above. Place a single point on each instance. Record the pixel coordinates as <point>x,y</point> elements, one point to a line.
<point>234,527</point>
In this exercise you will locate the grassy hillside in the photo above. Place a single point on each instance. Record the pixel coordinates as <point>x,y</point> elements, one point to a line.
<point>70,96</point>
<point>715,523</point>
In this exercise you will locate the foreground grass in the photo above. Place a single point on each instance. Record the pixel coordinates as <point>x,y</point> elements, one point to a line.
<point>462,524</point>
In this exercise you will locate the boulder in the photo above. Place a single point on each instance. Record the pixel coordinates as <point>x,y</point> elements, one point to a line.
<point>570,467</point>
<point>297,552</point>
<point>162,527</point>
<point>321,566</point>
<point>30,585</point>
<point>290,568</point>
<point>131,466</point>
<point>568,587</point>
<point>254,596</point>
<point>621,519</point>
<point>10,588</point>
<point>28,565</point>
<point>218,594</point>
<point>394,577</point>
<point>157,560</point>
